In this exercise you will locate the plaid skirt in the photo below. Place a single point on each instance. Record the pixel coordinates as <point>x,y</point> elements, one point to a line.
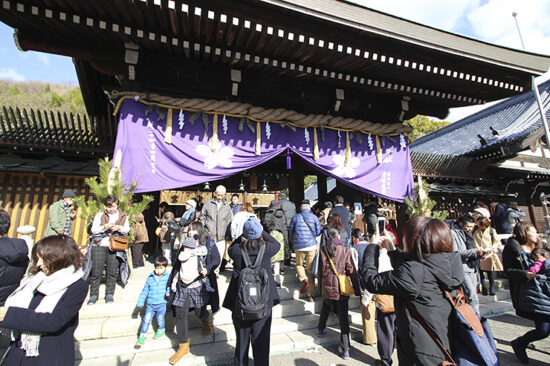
<point>198,296</point>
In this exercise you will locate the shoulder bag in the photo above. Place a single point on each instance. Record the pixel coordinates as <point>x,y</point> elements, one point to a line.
<point>470,336</point>
<point>346,287</point>
<point>117,244</point>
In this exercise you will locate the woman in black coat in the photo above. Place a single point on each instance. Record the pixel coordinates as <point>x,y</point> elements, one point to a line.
<point>516,259</point>
<point>43,311</point>
<point>420,275</point>
<point>252,239</point>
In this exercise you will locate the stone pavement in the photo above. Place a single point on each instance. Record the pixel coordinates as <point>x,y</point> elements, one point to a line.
<point>505,328</point>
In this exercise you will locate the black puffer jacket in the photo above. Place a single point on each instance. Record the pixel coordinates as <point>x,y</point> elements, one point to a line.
<point>534,295</point>
<point>515,267</point>
<point>13,265</point>
<point>274,214</point>
<point>421,284</point>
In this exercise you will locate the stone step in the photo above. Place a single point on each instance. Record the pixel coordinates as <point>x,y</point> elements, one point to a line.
<point>89,349</point>
<point>500,295</point>
<point>125,325</point>
<point>219,352</point>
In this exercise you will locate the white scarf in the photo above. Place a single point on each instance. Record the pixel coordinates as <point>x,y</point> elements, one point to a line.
<point>53,287</point>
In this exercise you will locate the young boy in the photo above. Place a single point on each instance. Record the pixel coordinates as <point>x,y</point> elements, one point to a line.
<point>156,292</point>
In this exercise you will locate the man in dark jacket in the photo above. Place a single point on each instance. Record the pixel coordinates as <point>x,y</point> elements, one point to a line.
<point>463,243</point>
<point>235,205</point>
<point>13,259</point>
<point>344,214</point>
<point>304,230</point>
<point>371,215</point>
<point>500,218</point>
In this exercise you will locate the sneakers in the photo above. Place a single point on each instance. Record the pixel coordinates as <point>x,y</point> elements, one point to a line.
<point>140,341</point>
<point>278,280</point>
<point>92,300</point>
<point>159,334</point>
<point>343,354</point>
<point>322,333</point>
<point>109,299</point>
<point>519,351</point>
<point>304,287</point>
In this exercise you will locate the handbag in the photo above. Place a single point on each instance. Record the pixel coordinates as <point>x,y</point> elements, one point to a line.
<point>346,287</point>
<point>384,303</point>
<point>117,244</point>
<point>470,336</point>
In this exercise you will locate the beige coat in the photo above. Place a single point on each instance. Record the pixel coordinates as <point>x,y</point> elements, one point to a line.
<point>488,239</point>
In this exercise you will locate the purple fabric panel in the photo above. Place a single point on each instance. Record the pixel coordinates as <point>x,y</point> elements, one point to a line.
<point>190,160</point>
<point>391,179</point>
<point>157,165</point>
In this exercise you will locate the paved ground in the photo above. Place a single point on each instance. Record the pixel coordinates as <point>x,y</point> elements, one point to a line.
<point>504,327</point>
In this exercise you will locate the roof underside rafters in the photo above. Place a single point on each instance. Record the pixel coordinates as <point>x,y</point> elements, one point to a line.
<point>272,42</point>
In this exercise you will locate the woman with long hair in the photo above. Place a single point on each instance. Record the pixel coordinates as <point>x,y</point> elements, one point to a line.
<point>43,311</point>
<point>420,276</point>
<point>188,284</point>
<point>334,222</point>
<point>336,257</point>
<point>485,238</point>
<point>528,297</point>
<point>257,332</point>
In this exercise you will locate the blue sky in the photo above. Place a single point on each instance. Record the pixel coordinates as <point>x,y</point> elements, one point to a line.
<point>487,20</point>
<point>30,65</point>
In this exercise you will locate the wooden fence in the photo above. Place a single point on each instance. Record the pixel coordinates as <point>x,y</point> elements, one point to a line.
<point>26,197</point>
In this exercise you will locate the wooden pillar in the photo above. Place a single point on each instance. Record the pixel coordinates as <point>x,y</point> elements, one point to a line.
<point>296,187</point>
<point>322,188</point>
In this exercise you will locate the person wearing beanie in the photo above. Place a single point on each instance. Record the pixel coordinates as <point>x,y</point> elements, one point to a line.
<point>289,209</point>
<point>256,332</point>
<point>304,229</point>
<point>61,215</point>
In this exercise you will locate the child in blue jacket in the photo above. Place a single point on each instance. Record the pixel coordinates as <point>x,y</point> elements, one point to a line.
<point>156,291</point>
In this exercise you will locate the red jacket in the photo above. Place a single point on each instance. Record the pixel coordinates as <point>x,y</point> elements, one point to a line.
<point>328,282</point>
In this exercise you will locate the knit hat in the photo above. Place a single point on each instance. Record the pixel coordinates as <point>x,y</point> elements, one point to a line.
<point>252,229</point>
<point>282,196</point>
<point>69,194</point>
<point>191,202</point>
<point>190,243</point>
<point>483,212</point>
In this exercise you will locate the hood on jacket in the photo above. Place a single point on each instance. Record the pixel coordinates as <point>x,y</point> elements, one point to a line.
<point>13,250</point>
<point>446,268</point>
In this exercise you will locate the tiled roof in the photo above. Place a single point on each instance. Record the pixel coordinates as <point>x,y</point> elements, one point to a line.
<point>510,120</point>
<point>449,166</point>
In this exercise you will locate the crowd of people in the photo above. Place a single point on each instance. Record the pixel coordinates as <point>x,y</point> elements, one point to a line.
<point>398,278</point>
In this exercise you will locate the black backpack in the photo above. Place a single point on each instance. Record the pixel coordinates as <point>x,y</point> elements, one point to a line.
<point>253,294</point>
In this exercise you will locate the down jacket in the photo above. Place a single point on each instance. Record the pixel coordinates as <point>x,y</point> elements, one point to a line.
<point>515,265</point>
<point>300,234</point>
<point>154,291</point>
<point>328,282</point>
<point>13,265</point>
<point>534,295</point>
<point>422,284</point>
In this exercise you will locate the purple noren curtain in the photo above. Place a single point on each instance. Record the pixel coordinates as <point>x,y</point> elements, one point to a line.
<point>192,158</point>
